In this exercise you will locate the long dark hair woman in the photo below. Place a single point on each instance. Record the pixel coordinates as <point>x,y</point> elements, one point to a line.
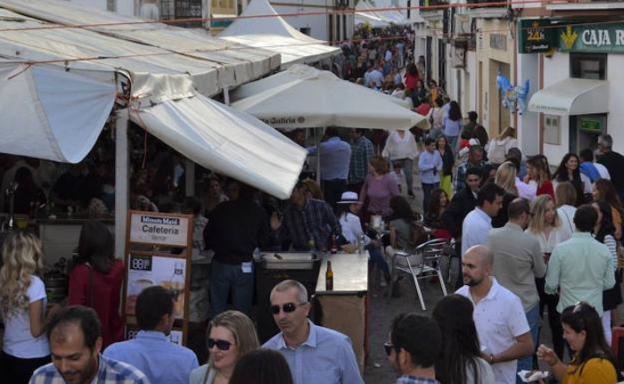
<point>611,298</point>
<point>96,277</point>
<point>401,221</point>
<point>592,360</point>
<point>460,361</point>
<point>569,170</point>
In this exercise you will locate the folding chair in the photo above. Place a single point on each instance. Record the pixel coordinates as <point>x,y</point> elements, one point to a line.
<point>422,263</point>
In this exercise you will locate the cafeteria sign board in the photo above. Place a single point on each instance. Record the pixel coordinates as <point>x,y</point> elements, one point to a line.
<point>158,228</point>
<point>158,253</point>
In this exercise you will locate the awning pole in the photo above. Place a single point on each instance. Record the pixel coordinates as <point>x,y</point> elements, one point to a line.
<point>317,139</point>
<point>226,96</point>
<point>121,181</point>
<point>189,177</point>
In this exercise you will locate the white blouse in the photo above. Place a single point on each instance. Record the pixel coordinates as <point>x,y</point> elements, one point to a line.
<point>557,235</point>
<point>352,228</point>
<point>398,147</point>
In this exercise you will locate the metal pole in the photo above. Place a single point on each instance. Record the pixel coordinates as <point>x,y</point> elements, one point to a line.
<point>121,181</point>
<point>317,138</point>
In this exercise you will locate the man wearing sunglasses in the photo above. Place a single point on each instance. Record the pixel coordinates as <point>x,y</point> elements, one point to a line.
<point>151,351</point>
<point>314,354</point>
<point>415,342</point>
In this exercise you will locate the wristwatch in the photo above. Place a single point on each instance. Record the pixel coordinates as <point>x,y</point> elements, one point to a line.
<point>491,359</point>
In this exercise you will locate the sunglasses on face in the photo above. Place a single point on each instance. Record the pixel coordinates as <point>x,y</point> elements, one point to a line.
<point>222,345</point>
<point>287,308</point>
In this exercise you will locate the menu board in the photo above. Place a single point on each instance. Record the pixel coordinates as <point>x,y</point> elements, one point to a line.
<point>158,253</point>
<point>166,271</point>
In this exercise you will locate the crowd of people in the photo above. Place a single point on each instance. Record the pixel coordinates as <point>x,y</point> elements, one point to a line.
<point>531,244</point>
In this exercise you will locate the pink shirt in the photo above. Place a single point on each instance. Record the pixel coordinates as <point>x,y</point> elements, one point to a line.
<point>379,193</point>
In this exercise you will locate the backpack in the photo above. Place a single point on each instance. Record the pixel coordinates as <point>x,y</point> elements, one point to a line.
<point>497,152</point>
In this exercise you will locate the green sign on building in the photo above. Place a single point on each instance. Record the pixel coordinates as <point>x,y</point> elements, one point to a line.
<point>536,36</point>
<point>595,38</point>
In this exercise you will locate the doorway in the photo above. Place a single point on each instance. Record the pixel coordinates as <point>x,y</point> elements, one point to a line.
<point>584,131</point>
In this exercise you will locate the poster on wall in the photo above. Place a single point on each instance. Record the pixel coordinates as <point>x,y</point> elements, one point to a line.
<point>166,271</point>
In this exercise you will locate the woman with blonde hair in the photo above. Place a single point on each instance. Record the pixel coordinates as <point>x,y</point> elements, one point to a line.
<point>506,179</point>
<point>231,335</point>
<point>546,226</point>
<point>497,148</point>
<point>538,173</point>
<point>22,307</point>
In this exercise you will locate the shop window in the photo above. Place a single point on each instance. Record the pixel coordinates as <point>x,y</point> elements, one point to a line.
<point>588,66</point>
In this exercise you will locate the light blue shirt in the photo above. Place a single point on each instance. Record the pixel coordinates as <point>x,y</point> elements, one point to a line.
<point>581,268</point>
<point>153,354</point>
<point>335,158</point>
<point>325,357</point>
<point>451,128</point>
<point>427,162</point>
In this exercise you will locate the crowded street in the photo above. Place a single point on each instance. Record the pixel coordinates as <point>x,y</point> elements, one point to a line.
<point>255,192</point>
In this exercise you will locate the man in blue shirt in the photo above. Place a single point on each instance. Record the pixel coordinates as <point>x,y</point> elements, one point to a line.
<point>314,354</point>
<point>415,342</point>
<point>335,159</point>
<point>430,166</point>
<point>587,166</point>
<point>75,339</point>
<point>151,351</point>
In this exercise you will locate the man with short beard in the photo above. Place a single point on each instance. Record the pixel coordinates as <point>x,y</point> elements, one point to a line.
<point>502,326</point>
<point>314,354</point>
<point>75,343</point>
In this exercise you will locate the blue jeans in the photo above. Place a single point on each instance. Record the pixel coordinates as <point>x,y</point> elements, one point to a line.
<point>533,318</point>
<point>376,257</point>
<point>224,277</point>
<point>427,189</point>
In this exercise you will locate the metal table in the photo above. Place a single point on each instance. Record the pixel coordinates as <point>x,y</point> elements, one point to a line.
<point>345,308</point>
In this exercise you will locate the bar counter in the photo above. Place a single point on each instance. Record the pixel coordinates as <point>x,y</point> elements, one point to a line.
<point>345,307</point>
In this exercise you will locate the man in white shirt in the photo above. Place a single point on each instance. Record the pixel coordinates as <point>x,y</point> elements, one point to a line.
<point>502,327</point>
<point>478,223</point>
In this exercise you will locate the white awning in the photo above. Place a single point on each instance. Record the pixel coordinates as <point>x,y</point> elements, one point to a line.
<point>52,114</point>
<point>228,141</point>
<point>572,97</point>
<point>262,27</point>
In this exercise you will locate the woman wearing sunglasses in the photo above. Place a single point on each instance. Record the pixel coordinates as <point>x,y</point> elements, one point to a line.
<point>231,335</point>
<point>593,361</point>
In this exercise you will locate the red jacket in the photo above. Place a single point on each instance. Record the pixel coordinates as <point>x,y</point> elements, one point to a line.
<point>104,298</point>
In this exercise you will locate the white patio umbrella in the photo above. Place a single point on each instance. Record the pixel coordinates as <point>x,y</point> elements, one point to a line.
<point>305,97</point>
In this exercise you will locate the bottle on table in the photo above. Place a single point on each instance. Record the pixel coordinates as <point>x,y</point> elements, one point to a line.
<point>334,245</point>
<point>329,277</point>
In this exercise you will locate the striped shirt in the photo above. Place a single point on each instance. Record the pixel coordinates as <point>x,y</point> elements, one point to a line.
<point>362,152</point>
<point>110,372</point>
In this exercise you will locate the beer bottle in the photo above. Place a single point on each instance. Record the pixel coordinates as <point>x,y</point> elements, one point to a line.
<point>334,245</point>
<point>329,277</point>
